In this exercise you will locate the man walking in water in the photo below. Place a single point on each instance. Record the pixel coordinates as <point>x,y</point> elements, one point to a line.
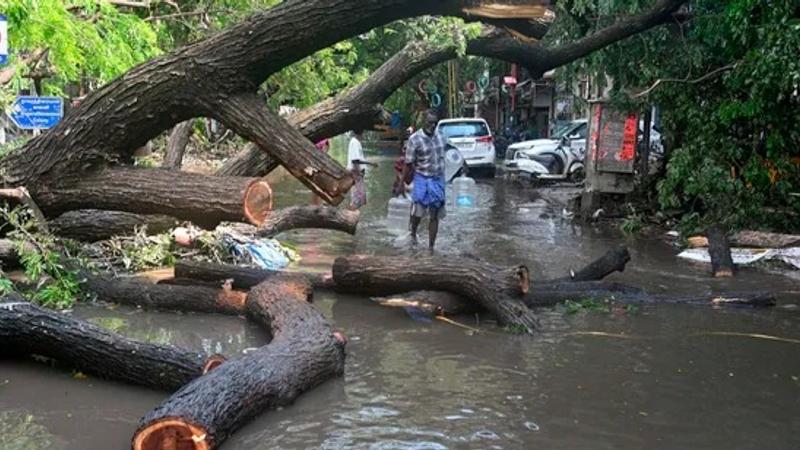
<point>425,158</point>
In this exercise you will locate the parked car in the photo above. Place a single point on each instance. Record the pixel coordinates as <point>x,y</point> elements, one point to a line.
<point>473,138</point>
<point>575,131</point>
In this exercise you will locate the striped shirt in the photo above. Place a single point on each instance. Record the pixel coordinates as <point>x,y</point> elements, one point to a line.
<point>426,153</point>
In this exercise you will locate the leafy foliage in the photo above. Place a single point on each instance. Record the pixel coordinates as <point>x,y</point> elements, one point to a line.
<point>730,103</point>
<point>56,285</point>
<point>88,41</point>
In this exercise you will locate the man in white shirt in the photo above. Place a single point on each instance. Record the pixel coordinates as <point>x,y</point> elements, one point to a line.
<point>357,164</point>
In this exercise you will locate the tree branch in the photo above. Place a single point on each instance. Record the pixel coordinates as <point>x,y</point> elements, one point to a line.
<point>248,116</point>
<point>705,77</point>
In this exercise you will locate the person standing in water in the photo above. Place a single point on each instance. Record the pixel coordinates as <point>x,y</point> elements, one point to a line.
<point>357,165</point>
<point>424,157</point>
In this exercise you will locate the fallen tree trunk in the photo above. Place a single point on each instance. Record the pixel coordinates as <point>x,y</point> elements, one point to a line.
<point>204,200</point>
<point>612,261</point>
<point>176,145</point>
<point>497,290</point>
<point>29,329</point>
<point>90,225</point>
<point>222,300</point>
<point>322,217</point>
<point>360,106</point>
<point>753,299</point>
<point>242,278</point>
<point>719,248</point>
<point>449,304</point>
<point>304,352</point>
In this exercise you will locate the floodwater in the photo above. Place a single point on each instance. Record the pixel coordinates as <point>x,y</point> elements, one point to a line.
<point>665,377</point>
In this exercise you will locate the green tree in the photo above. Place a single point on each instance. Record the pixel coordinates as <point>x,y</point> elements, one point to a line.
<point>87,42</point>
<point>727,83</point>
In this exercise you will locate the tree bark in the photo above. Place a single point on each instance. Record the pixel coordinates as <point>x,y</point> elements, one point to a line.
<point>360,106</point>
<point>215,77</point>
<point>498,290</point>
<point>242,278</point>
<point>29,329</point>
<point>90,225</point>
<point>204,200</point>
<point>176,145</point>
<point>720,250</point>
<point>9,256</point>
<point>220,300</point>
<point>304,352</point>
<point>322,217</point>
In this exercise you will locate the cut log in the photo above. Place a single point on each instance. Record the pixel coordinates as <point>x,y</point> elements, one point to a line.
<point>304,352</point>
<point>176,145</point>
<point>322,217</point>
<point>612,261</point>
<point>242,278</point>
<point>90,225</point>
<point>719,248</point>
<point>29,329</point>
<point>497,290</point>
<point>222,300</point>
<point>725,299</point>
<point>204,200</point>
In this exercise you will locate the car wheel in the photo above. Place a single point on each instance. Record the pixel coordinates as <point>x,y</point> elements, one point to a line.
<point>577,175</point>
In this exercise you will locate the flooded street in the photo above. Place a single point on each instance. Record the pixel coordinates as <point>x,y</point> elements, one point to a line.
<point>662,377</point>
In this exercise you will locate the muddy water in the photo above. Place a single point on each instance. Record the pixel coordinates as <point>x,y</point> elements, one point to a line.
<point>661,377</point>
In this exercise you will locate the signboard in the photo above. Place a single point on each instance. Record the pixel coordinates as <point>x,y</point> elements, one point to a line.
<point>36,113</point>
<point>510,80</point>
<point>613,139</point>
<point>3,40</point>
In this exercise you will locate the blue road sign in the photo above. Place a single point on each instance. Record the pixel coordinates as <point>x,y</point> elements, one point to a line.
<point>34,113</point>
<point>3,40</point>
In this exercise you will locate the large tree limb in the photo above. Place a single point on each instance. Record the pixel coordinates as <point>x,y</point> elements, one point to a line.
<point>360,106</point>
<point>28,329</point>
<point>204,200</point>
<point>304,352</point>
<point>497,290</point>
<point>321,217</point>
<point>90,225</point>
<point>192,81</point>
<point>248,116</point>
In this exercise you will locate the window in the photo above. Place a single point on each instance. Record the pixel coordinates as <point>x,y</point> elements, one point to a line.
<point>463,129</point>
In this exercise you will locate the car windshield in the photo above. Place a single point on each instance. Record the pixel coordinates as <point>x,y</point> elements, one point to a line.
<point>564,129</point>
<point>463,129</point>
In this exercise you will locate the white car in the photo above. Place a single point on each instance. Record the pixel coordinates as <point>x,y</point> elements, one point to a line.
<point>575,131</point>
<point>473,138</point>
